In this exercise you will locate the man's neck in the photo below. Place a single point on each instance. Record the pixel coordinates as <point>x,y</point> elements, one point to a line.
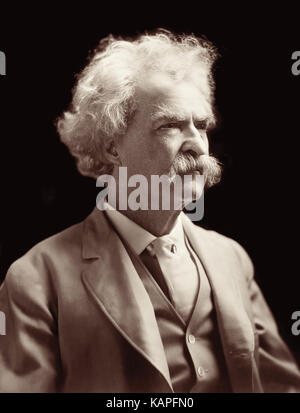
<point>158,223</point>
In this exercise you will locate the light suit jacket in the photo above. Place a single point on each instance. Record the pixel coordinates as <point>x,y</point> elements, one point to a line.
<point>78,318</point>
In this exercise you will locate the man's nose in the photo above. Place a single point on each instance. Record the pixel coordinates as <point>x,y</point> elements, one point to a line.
<point>196,142</point>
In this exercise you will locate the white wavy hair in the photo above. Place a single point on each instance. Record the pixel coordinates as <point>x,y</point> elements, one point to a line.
<point>103,100</point>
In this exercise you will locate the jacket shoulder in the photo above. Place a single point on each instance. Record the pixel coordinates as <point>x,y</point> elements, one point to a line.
<point>38,263</point>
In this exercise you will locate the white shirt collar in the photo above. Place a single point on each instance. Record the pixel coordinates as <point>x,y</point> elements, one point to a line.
<point>137,237</point>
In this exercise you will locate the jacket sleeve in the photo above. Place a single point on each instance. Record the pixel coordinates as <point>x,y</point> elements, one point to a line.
<point>278,370</point>
<point>29,350</point>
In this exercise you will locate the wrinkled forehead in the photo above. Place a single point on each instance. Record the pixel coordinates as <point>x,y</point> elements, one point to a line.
<point>161,97</point>
<point>172,111</point>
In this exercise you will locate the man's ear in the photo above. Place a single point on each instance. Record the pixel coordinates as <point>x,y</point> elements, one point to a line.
<point>112,154</point>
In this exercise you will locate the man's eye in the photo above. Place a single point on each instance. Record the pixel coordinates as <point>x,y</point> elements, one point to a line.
<point>170,125</point>
<point>202,125</point>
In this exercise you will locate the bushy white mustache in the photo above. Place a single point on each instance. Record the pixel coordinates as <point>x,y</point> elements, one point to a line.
<point>206,165</point>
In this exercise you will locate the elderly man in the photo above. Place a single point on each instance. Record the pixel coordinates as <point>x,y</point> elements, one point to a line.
<point>141,300</point>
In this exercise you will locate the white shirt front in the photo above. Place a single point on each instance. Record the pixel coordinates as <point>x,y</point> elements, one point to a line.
<point>175,258</point>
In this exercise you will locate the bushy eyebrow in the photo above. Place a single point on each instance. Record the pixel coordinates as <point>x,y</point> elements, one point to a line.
<point>165,113</point>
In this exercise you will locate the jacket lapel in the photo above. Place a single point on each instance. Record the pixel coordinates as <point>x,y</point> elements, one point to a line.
<point>234,325</point>
<point>114,284</point>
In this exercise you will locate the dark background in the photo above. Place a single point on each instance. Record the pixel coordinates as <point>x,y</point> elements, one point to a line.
<point>257,100</point>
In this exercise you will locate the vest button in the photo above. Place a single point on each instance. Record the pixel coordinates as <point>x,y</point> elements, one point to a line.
<point>173,249</point>
<point>201,371</point>
<point>192,339</point>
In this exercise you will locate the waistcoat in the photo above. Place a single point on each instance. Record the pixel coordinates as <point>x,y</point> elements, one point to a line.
<point>193,350</point>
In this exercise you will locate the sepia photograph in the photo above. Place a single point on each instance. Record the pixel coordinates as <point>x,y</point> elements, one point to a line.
<point>149,210</point>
